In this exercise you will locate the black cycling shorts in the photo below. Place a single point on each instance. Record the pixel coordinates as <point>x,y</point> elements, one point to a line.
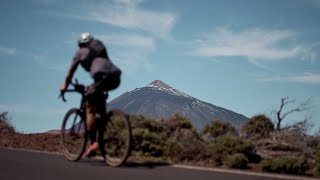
<point>102,84</point>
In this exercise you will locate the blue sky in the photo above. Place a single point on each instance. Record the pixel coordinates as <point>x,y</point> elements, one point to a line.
<point>241,55</point>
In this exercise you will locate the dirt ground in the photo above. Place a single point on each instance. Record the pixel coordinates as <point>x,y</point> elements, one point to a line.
<point>39,141</point>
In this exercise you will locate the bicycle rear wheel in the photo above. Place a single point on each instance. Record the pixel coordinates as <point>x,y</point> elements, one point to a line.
<point>73,135</point>
<point>117,138</point>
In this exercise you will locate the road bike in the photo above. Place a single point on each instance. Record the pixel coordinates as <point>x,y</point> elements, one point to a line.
<point>114,138</point>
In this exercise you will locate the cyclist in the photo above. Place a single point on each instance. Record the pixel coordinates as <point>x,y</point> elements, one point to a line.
<point>93,57</point>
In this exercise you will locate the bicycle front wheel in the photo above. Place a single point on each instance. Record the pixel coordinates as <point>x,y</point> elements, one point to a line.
<point>73,135</point>
<point>117,138</point>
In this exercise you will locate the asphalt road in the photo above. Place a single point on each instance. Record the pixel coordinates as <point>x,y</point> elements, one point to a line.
<point>18,164</point>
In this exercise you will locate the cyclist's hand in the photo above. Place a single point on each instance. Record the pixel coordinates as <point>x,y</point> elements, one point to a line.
<point>62,96</point>
<point>63,88</point>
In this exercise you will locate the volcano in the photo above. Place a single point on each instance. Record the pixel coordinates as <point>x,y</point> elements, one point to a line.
<point>158,100</point>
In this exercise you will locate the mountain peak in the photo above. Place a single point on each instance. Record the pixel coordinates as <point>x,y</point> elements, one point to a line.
<point>158,83</point>
<point>159,100</point>
<point>161,86</point>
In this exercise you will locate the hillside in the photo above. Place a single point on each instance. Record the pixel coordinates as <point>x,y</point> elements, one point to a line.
<point>160,101</point>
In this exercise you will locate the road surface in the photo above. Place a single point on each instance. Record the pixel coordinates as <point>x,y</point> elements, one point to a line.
<point>19,164</point>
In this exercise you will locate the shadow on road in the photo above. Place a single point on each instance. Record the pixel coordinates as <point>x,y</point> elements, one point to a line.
<point>129,164</point>
<point>147,164</point>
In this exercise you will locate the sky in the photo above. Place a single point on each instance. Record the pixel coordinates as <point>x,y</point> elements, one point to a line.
<point>240,55</point>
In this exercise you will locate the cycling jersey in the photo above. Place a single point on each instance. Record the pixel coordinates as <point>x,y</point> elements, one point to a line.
<point>94,59</point>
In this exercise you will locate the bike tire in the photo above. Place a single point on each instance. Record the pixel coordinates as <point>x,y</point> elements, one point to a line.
<point>73,135</point>
<point>117,138</point>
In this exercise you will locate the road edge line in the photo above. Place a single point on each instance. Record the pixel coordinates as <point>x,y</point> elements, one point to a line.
<point>220,170</point>
<point>241,172</point>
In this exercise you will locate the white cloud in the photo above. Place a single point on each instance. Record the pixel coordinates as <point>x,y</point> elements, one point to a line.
<point>127,46</point>
<point>126,14</point>
<point>29,109</point>
<point>129,51</point>
<point>8,51</point>
<point>17,108</point>
<point>38,58</point>
<point>310,52</point>
<point>257,44</point>
<point>42,60</point>
<point>129,40</point>
<point>132,61</point>
<point>305,78</point>
<point>46,2</point>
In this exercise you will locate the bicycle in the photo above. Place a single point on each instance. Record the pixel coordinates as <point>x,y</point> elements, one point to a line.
<point>115,146</point>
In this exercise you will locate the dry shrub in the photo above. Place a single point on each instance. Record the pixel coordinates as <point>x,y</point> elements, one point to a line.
<point>178,122</point>
<point>218,128</point>
<point>237,160</point>
<point>317,173</point>
<point>185,144</point>
<point>6,126</point>
<point>174,139</point>
<point>227,145</point>
<point>287,165</point>
<point>257,127</point>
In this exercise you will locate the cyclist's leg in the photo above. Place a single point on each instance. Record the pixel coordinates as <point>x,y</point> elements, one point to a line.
<point>101,125</point>
<point>107,82</point>
<point>90,120</point>
<point>101,121</point>
<point>104,83</point>
<point>91,110</point>
<point>91,129</point>
<point>93,100</point>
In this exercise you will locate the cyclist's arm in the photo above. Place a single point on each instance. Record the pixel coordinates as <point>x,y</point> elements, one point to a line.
<point>70,74</point>
<point>80,55</point>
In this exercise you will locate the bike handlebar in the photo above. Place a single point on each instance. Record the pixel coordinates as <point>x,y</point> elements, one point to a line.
<point>77,88</point>
<point>62,96</point>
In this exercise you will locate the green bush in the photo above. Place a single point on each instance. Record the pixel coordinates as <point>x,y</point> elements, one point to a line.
<point>229,145</point>
<point>178,122</point>
<point>237,160</point>
<point>186,145</point>
<point>174,139</point>
<point>171,149</point>
<point>218,128</point>
<point>5,124</point>
<point>287,165</point>
<point>145,123</point>
<point>149,136</point>
<point>148,143</point>
<point>258,126</point>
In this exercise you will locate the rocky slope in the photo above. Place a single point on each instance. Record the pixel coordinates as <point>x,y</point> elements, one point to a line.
<point>159,100</point>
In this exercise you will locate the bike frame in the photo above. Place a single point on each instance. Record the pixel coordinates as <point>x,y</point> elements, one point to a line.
<point>79,88</point>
